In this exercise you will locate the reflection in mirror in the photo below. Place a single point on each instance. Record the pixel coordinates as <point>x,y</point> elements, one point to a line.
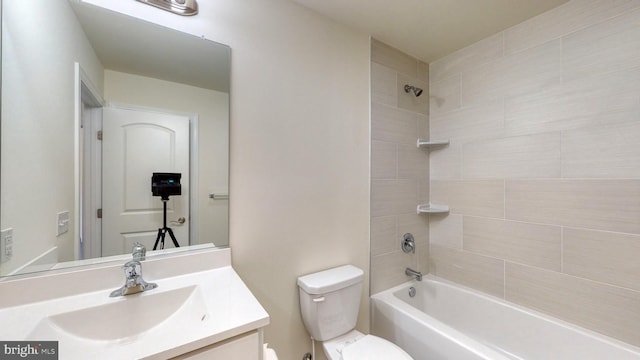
<point>93,103</point>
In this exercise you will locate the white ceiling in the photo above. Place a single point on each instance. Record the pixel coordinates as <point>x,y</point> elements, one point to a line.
<point>130,45</point>
<point>430,29</point>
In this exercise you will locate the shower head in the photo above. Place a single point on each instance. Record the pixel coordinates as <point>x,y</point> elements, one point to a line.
<point>410,88</point>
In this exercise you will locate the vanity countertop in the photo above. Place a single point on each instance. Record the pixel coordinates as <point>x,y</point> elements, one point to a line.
<point>192,309</point>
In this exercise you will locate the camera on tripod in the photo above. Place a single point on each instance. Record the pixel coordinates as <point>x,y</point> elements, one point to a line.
<point>166,184</point>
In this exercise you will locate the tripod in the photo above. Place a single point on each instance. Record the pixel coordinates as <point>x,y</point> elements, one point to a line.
<point>162,232</point>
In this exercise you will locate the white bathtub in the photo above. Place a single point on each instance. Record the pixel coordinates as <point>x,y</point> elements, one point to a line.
<point>448,321</point>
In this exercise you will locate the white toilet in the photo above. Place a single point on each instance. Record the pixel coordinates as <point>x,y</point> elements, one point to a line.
<point>329,302</point>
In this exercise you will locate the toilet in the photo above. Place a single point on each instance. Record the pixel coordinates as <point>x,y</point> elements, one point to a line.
<point>268,353</point>
<point>329,302</point>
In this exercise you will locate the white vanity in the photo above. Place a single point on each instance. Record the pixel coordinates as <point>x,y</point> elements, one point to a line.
<point>201,309</point>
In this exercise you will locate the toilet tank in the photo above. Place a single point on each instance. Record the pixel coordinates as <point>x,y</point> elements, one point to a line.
<point>330,300</point>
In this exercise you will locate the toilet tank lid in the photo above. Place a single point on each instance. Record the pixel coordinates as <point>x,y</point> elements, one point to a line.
<point>330,280</point>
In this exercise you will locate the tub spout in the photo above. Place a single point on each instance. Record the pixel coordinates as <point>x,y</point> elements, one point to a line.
<point>413,273</point>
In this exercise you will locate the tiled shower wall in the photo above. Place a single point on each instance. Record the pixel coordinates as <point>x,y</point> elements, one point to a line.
<point>543,171</point>
<point>399,170</point>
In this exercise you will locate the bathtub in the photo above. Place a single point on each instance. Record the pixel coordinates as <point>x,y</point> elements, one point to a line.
<point>448,321</point>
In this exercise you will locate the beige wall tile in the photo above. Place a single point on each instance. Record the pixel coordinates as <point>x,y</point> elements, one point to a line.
<point>384,231</point>
<point>383,85</point>
<point>423,71</point>
<point>532,156</point>
<point>384,54</point>
<point>444,95</point>
<point>478,122</point>
<point>595,204</point>
<point>384,160</point>
<point>393,125</point>
<point>602,152</point>
<point>422,254</point>
<point>396,126</point>
<point>423,126</point>
<point>413,163</point>
<point>603,256</point>
<point>556,108</point>
<point>572,16</point>
<point>476,271</point>
<point>606,309</point>
<point>542,140</point>
<point>409,101</point>
<point>393,197</point>
<point>484,51</point>
<point>528,71</point>
<point>590,101</point>
<point>387,270</point>
<point>424,190</point>
<point>531,244</point>
<point>470,197</point>
<point>613,44</point>
<point>446,230</point>
<point>446,162</point>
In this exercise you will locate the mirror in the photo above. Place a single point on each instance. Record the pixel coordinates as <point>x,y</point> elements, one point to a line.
<point>93,103</point>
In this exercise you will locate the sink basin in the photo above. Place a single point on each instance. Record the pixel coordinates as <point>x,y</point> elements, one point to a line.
<point>128,316</point>
<point>200,300</point>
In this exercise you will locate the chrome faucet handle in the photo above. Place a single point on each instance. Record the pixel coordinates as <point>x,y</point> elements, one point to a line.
<point>132,272</point>
<point>408,243</point>
<point>133,282</point>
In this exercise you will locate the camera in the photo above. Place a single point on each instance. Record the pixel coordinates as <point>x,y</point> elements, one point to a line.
<point>166,184</point>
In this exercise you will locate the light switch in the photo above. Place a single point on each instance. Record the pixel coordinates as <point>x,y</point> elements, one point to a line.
<point>63,222</point>
<point>6,244</point>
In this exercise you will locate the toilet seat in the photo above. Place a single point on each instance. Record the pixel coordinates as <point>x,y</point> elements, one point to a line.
<point>371,347</point>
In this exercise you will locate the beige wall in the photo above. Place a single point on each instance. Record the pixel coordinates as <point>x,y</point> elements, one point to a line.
<point>299,148</point>
<point>299,158</point>
<point>543,171</point>
<point>37,116</point>
<point>399,170</point>
<point>212,108</point>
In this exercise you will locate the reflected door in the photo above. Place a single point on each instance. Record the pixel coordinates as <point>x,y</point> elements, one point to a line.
<point>135,144</point>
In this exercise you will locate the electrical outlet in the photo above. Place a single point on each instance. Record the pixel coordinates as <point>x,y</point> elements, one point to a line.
<point>63,222</point>
<point>6,244</point>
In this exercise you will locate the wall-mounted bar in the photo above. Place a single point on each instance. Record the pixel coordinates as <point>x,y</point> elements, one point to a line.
<point>219,196</point>
<point>422,143</point>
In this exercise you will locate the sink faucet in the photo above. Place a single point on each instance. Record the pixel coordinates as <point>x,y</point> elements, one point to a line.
<point>415,274</point>
<point>134,283</point>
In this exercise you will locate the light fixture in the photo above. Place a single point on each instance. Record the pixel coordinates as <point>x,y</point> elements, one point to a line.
<point>180,7</point>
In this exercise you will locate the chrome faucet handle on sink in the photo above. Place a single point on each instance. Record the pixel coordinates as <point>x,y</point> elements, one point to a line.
<point>134,283</point>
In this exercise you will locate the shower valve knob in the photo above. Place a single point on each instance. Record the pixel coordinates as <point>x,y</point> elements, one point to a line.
<point>408,243</point>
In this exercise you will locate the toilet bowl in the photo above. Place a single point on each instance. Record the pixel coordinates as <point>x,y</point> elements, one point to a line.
<point>329,303</point>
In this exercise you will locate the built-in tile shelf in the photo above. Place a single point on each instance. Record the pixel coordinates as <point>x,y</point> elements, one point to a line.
<point>432,209</point>
<point>429,144</point>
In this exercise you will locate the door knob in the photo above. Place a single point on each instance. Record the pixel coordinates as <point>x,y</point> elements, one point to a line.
<point>181,220</point>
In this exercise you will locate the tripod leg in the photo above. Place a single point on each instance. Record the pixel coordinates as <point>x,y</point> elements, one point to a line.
<point>173,237</point>
<point>155,246</point>
<point>164,234</point>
